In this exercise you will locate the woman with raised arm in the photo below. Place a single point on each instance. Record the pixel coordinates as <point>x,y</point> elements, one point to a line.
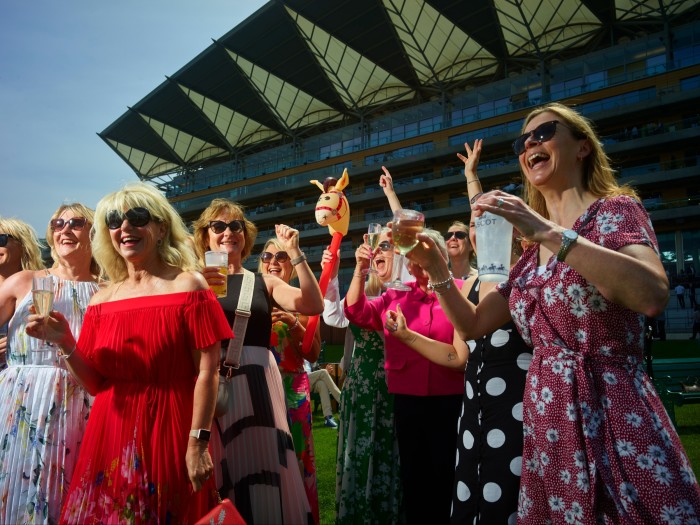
<point>598,444</point>
<point>148,352</point>
<point>256,463</point>
<point>368,486</point>
<point>288,329</point>
<point>427,397</point>
<point>43,413</point>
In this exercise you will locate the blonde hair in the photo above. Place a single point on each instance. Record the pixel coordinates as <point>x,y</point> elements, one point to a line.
<point>27,238</point>
<point>174,250</point>
<point>274,242</point>
<point>374,285</point>
<point>234,212</point>
<point>80,210</point>
<point>598,175</point>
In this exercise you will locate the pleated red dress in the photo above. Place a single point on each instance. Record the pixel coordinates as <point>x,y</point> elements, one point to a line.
<point>131,467</point>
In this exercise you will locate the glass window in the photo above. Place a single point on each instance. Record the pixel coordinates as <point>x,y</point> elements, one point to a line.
<point>667,247</point>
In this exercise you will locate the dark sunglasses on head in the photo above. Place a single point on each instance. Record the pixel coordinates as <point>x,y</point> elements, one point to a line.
<point>76,223</point>
<point>137,217</point>
<point>385,246</point>
<point>459,234</point>
<point>541,133</point>
<point>280,257</point>
<point>220,226</point>
<point>4,238</point>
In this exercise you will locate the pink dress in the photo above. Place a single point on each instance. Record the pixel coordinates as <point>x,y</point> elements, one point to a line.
<point>598,444</point>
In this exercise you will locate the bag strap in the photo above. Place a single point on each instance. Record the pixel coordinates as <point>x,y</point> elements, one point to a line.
<point>240,323</point>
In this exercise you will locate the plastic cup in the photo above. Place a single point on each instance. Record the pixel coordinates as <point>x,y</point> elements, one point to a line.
<point>219,260</point>
<point>494,238</point>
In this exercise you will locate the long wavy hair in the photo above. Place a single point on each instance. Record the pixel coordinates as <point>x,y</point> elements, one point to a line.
<point>598,175</point>
<point>233,212</point>
<point>174,250</point>
<point>27,238</point>
<point>80,210</point>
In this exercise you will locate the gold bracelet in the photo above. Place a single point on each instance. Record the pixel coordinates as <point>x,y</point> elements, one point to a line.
<point>475,180</point>
<point>67,356</point>
<point>296,322</point>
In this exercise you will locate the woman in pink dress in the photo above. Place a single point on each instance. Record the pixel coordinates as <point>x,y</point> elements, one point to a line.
<point>598,444</point>
<point>148,352</point>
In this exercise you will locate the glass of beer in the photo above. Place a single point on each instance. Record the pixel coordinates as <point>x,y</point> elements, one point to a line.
<point>220,261</point>
<point>405,226</point>
<point>43,289</point>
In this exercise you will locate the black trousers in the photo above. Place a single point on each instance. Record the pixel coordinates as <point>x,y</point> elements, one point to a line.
<point>426,431</point>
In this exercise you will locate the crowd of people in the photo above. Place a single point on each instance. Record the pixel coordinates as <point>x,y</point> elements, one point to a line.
<point>144,397</point>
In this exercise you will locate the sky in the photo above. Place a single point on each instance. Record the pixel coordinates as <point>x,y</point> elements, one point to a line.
<point>68,69</point>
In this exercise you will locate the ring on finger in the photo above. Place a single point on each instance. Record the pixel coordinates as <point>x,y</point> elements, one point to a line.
<point>499,203</point>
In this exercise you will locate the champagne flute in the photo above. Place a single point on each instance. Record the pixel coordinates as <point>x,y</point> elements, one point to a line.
<point>405,226</point>
<point>43,289</point>
<point>374,230</point>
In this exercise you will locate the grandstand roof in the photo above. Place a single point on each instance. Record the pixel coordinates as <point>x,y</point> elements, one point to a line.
<point>297,65</point>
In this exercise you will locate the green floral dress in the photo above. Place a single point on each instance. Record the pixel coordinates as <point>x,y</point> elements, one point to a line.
<point>368,486</point>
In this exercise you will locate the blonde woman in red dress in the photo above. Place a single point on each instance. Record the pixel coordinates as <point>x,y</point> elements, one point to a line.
<point>148,351</point>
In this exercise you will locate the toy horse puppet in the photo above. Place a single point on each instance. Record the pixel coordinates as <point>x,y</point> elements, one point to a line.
<point>332,210</point>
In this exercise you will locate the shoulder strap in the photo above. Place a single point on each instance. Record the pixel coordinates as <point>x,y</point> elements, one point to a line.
<point>240,322</point>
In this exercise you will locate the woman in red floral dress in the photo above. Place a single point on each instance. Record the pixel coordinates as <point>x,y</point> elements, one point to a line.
<point>598,444</point>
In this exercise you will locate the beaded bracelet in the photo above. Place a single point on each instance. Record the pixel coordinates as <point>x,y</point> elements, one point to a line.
<point>296,322</point>
<point>447,284</point>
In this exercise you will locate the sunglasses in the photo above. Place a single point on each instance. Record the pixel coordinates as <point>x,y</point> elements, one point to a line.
<point>220,226</point>
<point>4,238</point>
<point>137,217</point>
<point>541,133</point>
<point>76,223</point>
<point>458,235</point>
<point>280,257</point>
<point>385,246</point>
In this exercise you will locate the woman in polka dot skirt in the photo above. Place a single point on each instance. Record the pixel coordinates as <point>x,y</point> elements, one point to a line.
<point>598,444</point>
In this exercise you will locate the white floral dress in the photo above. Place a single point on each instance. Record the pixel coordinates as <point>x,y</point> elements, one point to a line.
<point>42,415</point>
<point>598,444</point>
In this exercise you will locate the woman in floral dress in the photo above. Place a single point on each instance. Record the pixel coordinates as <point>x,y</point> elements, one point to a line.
<point>288,329</point>
<point>44,410</point>
<point>368,485</point>
<point>598,444</point>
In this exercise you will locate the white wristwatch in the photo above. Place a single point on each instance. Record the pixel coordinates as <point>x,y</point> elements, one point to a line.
<point>201,433</point>
<point>568,238</point>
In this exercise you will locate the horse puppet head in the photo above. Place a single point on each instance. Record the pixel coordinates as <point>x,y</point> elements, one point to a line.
<point>332,208</point>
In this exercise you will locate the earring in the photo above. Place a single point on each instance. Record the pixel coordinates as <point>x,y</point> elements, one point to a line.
<point>159,242</point>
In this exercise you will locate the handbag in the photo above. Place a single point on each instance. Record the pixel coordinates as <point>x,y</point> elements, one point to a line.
<point>225,513</point>
<point>232,361</point>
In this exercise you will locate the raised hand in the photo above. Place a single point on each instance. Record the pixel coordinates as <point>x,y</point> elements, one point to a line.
<point>287,236</point>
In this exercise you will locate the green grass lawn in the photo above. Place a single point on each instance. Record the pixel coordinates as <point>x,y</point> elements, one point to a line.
<point>326,443</point>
